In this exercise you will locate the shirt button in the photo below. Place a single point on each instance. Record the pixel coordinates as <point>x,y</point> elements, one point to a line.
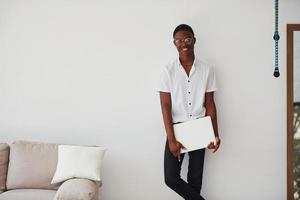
<point>189,81</point>
<point>190,104</point>
<point>189,92</point>
<point>190,115</point>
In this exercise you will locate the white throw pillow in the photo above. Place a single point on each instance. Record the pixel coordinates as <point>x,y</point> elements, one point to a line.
<point>78,162</point>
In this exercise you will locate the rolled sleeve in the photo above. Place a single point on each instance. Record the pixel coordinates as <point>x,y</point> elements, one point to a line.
<point>211,81</point>
<point>164,82</point>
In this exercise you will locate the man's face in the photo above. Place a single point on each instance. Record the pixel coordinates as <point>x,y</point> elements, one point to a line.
<point>184,42</point>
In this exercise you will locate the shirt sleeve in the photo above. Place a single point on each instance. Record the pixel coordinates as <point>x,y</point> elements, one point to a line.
<point>211,81</point>
<point>164,81</point>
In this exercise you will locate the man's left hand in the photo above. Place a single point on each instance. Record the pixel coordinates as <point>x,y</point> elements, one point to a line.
<point>215,145</point>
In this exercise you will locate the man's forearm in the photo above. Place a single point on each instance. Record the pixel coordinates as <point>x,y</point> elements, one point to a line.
<point>212,112</point>
<point>167,117</point>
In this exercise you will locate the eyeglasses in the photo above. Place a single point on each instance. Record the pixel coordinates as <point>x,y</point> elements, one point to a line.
<point>187,41</point>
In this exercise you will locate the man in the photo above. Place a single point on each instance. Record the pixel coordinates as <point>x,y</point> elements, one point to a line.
<point>186,89</point>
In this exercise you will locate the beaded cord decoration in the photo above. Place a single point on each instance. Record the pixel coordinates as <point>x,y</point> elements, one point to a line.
<point>276,39</point>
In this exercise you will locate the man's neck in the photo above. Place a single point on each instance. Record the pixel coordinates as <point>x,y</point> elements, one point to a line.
<point>187,60</point>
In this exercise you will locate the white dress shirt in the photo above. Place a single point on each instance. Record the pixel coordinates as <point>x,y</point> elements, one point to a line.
<point>187,92</point>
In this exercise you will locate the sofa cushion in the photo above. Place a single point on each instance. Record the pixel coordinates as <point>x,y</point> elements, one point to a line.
<point>78,162</point>
<point>32,165</point>
<point>77,189</point>
<point>28,194</point>
<point>4,154</point>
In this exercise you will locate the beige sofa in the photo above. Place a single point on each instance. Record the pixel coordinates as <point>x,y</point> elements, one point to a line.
<point>26,171</point>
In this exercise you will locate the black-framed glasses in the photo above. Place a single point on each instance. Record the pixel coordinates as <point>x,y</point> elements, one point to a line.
<point>187,41</point>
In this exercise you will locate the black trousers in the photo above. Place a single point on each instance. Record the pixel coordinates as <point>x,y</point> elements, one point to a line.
<point>189,190</point>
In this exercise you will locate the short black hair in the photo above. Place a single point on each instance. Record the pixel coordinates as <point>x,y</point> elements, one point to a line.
<point>183,27</point>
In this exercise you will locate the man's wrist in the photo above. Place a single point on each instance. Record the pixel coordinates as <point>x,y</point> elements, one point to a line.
<point>172,140</point>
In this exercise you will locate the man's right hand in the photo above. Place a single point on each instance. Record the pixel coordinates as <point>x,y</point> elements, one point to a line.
<point>175,148</point>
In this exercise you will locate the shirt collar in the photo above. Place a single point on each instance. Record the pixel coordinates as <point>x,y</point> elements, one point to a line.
<point>193,66</point>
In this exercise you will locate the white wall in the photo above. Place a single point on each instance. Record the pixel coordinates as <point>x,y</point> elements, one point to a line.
<point>85,72</point>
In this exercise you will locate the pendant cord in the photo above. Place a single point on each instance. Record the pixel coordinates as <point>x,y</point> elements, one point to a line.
<point>276,37</point>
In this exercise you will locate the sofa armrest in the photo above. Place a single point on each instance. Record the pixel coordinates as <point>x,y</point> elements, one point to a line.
<point>4,155</point>
<point>77,189</point>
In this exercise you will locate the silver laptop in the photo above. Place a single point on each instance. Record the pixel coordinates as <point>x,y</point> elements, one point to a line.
<point>194,134</point>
